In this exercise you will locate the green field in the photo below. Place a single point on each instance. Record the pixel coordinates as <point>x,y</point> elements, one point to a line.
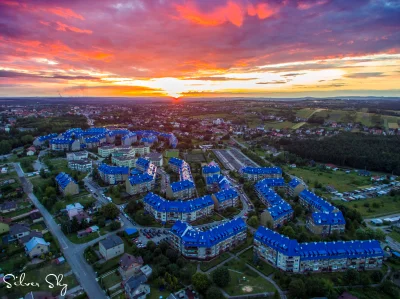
<point>388,205</point>
<point>340,180</point>
<point>298,125</point>
<point>205,266</point>
<point>279,125</point>
<point>18,212</point>
<point>245,281</point>
<point>111,280</point>
<point>305,113</point>
<point>263,267</point>
<point>171,153</point>
<point>395,235</point>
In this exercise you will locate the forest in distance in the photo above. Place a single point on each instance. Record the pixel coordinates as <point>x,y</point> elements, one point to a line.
<point>374,153</point>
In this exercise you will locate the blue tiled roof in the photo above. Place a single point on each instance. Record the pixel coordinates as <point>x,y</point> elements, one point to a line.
<point>181,185</point>
<point>47,137</point>
<point>318,250</point>
<point>107,169</point>
<point>142,162</point>
<point>63,179</point>
<point>318,202</point>
<point>139,179</point>
<point>294,183</point>
<point>61,141</point>
<point>92,139</point>
<point>162,205</point>
<point>135,171</point>
<point>332,218</point>
<point>280,210</point>
<point>118,132</point>
<point>279,182</point>
<point>176,161</point>
<point>261,170</point>
<point>211,169</point>
<point>269,195</point>
<point>193,237</point>
<point>226,194</point>
<point>129,135</point>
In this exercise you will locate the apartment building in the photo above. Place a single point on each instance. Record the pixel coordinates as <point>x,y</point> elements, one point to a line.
<point>82,155</point>
<point>290,256</point>
<point>267,196</point>
<point>314,203</point>
<point>40,141</point>
<point>129,138</point>
<point>217,182</point>
<point>277,215</point>
<point>295,186</point>
<point>169,211</point>
<point>106,150</point>
<point>181,190</point>
<point>205,245</point>
<point>258,173</point>
<point>225,198</point>
<point>155,158</point>
<point>324,224</point>
<point>65,144</point>
<point>84,165</point>
<point>210,170</point>
<point>139,183</point>
<point>175,164</point>
<point>142,164</point>
<point>66,184</point>
<point>140,150</point>
<point>113,174</point>
<point>126,160</point>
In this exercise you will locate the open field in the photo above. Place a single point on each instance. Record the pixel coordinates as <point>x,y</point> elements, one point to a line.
<point>307,112</point>
<point>205,266</point>
<point>298,125</point>
<point>171,153</point>
<point>388,205</point>
<point>340,180</point>
<point>245,281</point>
<point>395,235</point>
<point>111,280</point>
<point>195,157</point>
<point>263,267</point>
<point>279,125</point>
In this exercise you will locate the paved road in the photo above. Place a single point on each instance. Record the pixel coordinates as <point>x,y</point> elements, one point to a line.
<point>72,252</point>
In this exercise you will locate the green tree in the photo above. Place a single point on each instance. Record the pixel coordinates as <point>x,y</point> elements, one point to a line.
<point>297,288</point>
<point>253,221</point>
<point>115,225</point>
<point>214,293</point>
<point>221,277</point>
<point>110,211</point>
<point>351,276</point>
<point>200,282</point>
<point>288,231</point>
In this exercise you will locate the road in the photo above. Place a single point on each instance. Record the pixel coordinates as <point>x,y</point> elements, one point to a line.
<point>73,253</point>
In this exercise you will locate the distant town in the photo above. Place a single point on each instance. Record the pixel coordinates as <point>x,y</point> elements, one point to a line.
<point>194,199</point>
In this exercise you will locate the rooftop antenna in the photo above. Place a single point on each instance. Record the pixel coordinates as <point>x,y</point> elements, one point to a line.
<point>59,94</point>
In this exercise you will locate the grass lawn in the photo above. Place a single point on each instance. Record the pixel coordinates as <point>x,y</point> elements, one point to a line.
<point>279,125</point>
<point>107,266</point>
<point>205,266</point>
<point>249,241</point>
<point>38,275</point>
<point>83,199</point>
<point>111,280</point>
<point>306,112</point>
<point>13,263</point>
<point>395,235</point>
<point>390,206</point>
<point>206,220</point>
<point>74,238</point>
<point>263,267</point>
<point>171,153</point>
<point>340,180</point>
<point>155,292</point>
<point>37,226</point>
<point>12,174</point>
<point>18,212</point>
<point>245,281</point>
<point>298,125</point>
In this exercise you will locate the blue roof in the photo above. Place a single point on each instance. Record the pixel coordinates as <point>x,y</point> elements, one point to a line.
<point>162,205</point>
<point>294,183</point>
<point>63,179</point>
<point>318,250</point>
<point>131,231</point>
<point>279,182</point>
<point>92,139</point>
<point>181,185</point>
<point>139,179</point>
<point>118,132</point>
<point>317,202</point>
<point>261,170</point>
<point>281,210</point>
<point>176,161</point>
<point>226,194</point>
<point>129,135</point>
<point>47,137</point>
<point>61,141</point>
<point>268,195</point>
<point>193,237</point>
<point>107,169</point>
<point>135,171</point>
<point>332,218</point>
<point>211,169</point>
<point>33,242</point>
<point>142,162</point>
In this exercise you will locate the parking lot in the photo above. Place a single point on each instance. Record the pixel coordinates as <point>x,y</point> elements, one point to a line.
<point>151,234</point>
<point>233,159</point>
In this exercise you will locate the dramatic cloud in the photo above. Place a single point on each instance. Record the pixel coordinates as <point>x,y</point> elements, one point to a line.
<point>177,47</point>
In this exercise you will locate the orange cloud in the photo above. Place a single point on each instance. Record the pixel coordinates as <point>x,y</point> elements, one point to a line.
<point>232,12</point>
<point>65,27</point>
<point>64,12</point>
<point>262,10</point>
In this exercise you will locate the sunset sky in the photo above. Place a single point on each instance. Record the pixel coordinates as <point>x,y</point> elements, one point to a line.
<point>203,48</point>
